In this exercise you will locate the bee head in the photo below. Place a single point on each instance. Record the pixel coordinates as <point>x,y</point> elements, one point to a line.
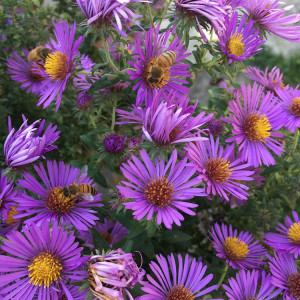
<point>65,192</point>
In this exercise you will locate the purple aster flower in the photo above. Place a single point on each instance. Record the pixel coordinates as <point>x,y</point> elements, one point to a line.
<point>72,292</point>
<point>28,144</point>
<point>112,274</point>
<point>245,286</point>
<point>272,80</point>
<point>159,189</point>
<point>255,117</point>
<point>285,275</point>
<point>167,122</point>
<point>31,75</point>
<point>148,50</point>
<point>50,201</point>
<point>40,262</point>
<point>239,250</point>
<point>221,173</point>
<point>114,143</point>
<point>103,14</point>
<point>84,100</point>
<point>82,82</point>
<point>10,223</point>
<point>111,231</point>
<point>134,142</point>
<point>229,89</point>
<point>215,126</point>
<point>233,3</point>
<point>290,104</point>
<point>204,13</point>
<point>270,18</point>
<point>239,42</point>
<point>7,196</point>
<point>59,65</point>
<point>115,48</point>
<point>181,278</point>
<point>288,238</point>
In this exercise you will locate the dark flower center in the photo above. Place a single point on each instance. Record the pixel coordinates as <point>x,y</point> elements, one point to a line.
<point>180,292</point>
<point>293,284</point>
<point>217,170</point>
<point>159,191</point>
<point>58,202</point>
<point>174,133</point>
<point>107,236</point>
<point>257,127</point>
<point>34,74</point>
<point>295,107</point>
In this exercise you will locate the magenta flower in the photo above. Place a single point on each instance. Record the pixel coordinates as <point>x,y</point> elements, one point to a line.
<point>159,189</point>
<point>240,251</point>
<point>114,143</point>
<point>290,104</point>
<point>167,122</point>
<point>148,49</point>
<point>255,117</point>
<point>285,275</point>
<point>272,80</point>
<point>205,13</point>
<point>288,238</point>
<point>251,285</point>
<point>215,126</point>
<point>239,42</point>
<point>181,278</point>
<point>270,18</point>
<point>112,274</point>
<point>28,144</point>
<point>31,75</point>
<point>7,196</point>
<point>39,263</point>
<point>102,14</point>
<point>217,166</point>
<point>111,231</point>
<point>60,64</point>
<point>233,3</point>
<point>50,202</point>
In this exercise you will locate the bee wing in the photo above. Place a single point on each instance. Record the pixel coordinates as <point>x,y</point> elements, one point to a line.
<point>82,174</point>
<point>84,197</point>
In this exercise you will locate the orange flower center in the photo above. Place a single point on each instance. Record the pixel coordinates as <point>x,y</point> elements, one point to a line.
<point>295,107</point>
<point>58,202</point>
<point>293,284</point>
<point>56,65</point>
<point>179,292</point>
<point>217,170</point>
<point>257,127</point>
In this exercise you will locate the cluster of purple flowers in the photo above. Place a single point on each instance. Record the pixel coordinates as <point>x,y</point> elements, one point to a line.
<point>176,159</point>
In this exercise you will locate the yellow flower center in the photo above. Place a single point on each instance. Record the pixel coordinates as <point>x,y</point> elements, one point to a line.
<point>58,202</point>
<point>159,191</point>
<point>10,216</point>
<point>179,292</point>
<point>56,65</point>
<point>235,45</point>
<point>235,248</point>
<point>294,233</point>
<point>257,127</point>
<point>295,107</point>
<point>44,269</point>
<point>217,169</point>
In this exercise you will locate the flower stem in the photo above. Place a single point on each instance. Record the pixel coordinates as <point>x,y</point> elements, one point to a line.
<point>222,276</point>
<point>93,121</point>
<point>164,12</point>
<point>113,118</point>
<point>296,138</point>
<point>150,13</point>
<point>107,54</point>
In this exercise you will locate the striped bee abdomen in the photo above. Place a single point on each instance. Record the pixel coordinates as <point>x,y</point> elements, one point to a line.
<point>87,189</point>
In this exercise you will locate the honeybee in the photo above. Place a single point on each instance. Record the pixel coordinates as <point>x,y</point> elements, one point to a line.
<point>158,68</point>
<point>39,54</point>
<point>80,191</point>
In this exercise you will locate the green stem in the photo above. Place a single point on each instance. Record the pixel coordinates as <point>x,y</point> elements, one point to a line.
<point>222,276</point>
<point>164,12</point>
<point>150,13</point>
<point>92,121</point>
<point>123,54</point>
<point>296,138</point>
<point>113,121</point>
<point>109,60</point>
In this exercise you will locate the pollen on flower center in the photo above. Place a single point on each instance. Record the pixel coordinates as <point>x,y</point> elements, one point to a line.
<point>180,292</point>
<point>58,202</point>
<point>235,248</point>
<point>293,284</point>
<point>159,191</point>
<point>45,269</point>
<point>10,220</point>
<point>174,133</point>
<point>257,127</point>
<point>295,107</point>
<point>56,65</point>
<point>294,233</point>
<point>217,169</point>
<point>155,75</point>
<point>235,45</point>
